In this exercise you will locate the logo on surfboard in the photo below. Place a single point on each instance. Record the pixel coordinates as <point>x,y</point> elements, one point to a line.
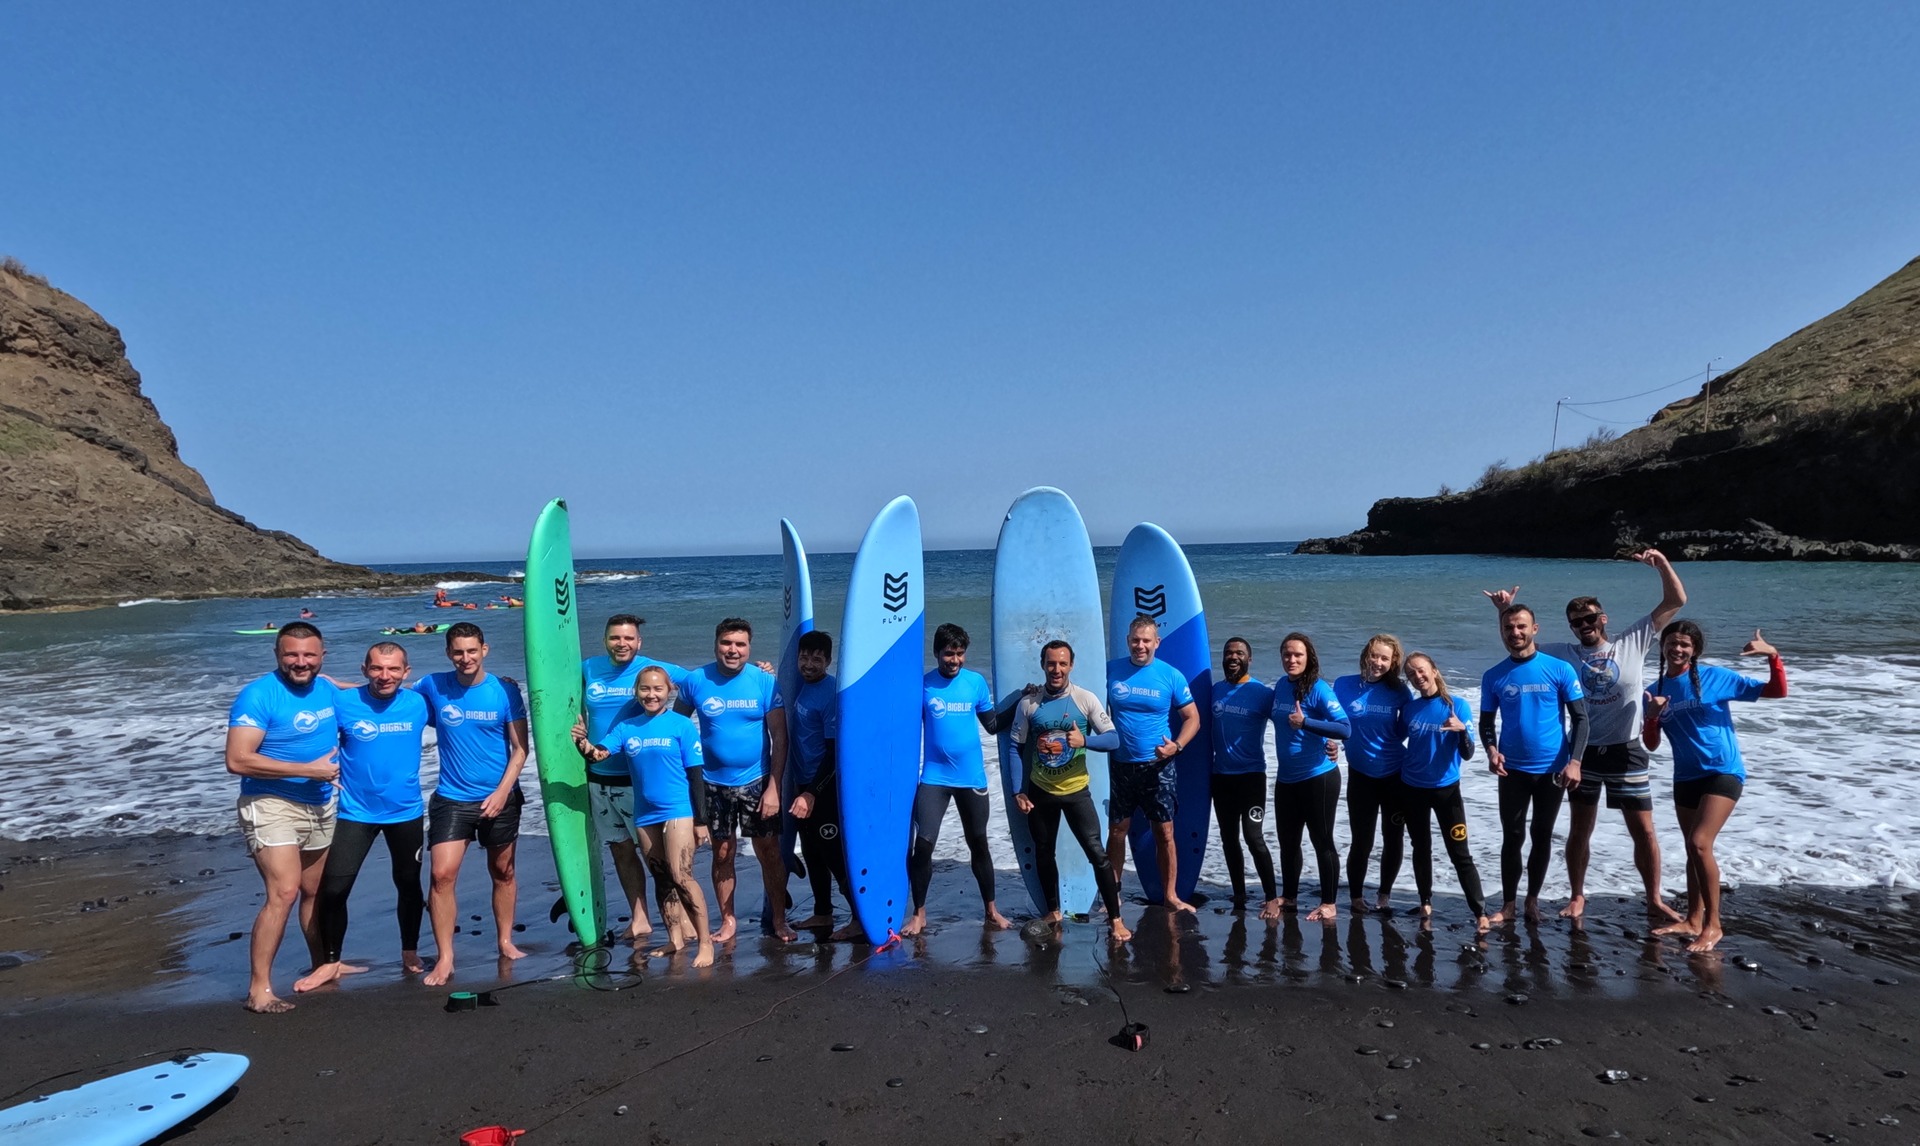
<point>1151,602</point>
<point>893,594</point>
<point>563,594</point>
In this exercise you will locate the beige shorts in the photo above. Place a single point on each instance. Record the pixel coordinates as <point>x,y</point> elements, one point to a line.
<point>277,822</point>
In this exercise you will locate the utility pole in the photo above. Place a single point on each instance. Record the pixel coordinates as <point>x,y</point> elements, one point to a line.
<point>1554,443</point>
<point>1706,400</point>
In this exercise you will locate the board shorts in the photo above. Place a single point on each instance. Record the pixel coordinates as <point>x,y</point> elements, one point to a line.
<point>458,821</point>
<point>1148,786</point>
<point>612,805</point>
<point>1687,793</point>
<point>1619,768</point>
<point>733,812</point>
<point>268,821</point>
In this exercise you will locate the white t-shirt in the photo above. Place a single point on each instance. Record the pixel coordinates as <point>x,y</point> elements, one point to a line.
<point>1613,675</point>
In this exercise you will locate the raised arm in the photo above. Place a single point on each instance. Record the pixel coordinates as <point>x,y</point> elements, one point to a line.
<point>1673,595</point>
<point>1776,668</point>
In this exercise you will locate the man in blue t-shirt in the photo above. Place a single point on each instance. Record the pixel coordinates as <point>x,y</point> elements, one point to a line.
<point>481,722</point>
<point>381,725</point>
<point>1144,693</point>
<point>607,696</point>
<point>742,727</point>
<point>282,738</point>
<point>813,725</point>
<point>955,705</point>
<point>1535,754</point>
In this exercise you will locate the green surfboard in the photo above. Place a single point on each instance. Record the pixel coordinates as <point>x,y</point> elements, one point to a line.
<point>553,688</point>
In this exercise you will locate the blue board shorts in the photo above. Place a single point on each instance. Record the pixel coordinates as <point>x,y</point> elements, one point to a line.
<point>1149,786</point>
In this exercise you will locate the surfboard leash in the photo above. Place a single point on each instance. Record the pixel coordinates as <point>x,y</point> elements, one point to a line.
<point>178,1054</point>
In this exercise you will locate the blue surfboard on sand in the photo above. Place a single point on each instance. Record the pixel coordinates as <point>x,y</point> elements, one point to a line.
<point>1152,577</point>
<point>125,1109</point>
<point>796,617</point>
<point>1045,588</point>
<point>882,664</point>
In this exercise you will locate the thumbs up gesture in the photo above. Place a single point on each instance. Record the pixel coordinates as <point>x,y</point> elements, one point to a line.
<point>1297,718</point>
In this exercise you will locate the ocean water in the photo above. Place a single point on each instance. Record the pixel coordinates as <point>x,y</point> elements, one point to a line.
<point>114,718</point>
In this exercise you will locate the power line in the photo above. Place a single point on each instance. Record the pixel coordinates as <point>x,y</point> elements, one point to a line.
<point>1641,394</point>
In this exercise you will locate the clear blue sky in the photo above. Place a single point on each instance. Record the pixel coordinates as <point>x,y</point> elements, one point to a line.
<point>398,273</point>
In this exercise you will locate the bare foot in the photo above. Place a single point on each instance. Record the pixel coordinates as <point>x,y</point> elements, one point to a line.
<point>1686,927</point>
<point>817,920</point>
<point>509,951</point>
<point>704,957</point>
<point>997,921</point>
<point>1484,925</point>
<point>1325,913</point>
<point>1708,937</point>
<point>1506,914</point>
<point>1175,903</point>
<point>1533,909</point>
<point>1272,908</point>
<point>1575,908</point>
<point>322,975</point>
<point>442,972</point>
<point>915,924</point>
<point>1384,904</point>
<point>1360,907</point>
<point>1658,911</point>
<point>1426,912</point>
<point>639,929</point>
<point>1117,932</point>
<point>664,949</point>
<point>847,934</point>
<point>728,926</point>
<point>271,1005</point>
<point>410,962</point>
<point>1053,917</point>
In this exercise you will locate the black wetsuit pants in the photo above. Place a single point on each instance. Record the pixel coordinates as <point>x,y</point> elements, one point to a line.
<point>1419,807</point>
<point>929,809</point>
<point>1518,791</point>
<point>352,840</point>
<point>821,847</point>
<point>1240,804</point>
<point>1308,804</point>
<point>1043,823</point>
<point>1372,800</point>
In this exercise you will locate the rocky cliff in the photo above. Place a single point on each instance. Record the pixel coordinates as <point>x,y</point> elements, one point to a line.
<point>95,504</point>
<point>1810,450</point>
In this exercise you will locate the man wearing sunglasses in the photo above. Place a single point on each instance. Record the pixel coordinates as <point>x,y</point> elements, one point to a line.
<point>1611,668</point>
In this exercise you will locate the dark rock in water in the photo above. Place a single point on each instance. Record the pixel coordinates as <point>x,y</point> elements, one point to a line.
<point>1482,1046</point>
<point>1388,1023</point>
<point>1895,1073</point>
<point>1366,1050</point>
<point>896,1083</point>
<point>1401,1063</point>
<point>764,1058</point>
<point>1386,1116</point>
<point>1037,934</point>
<point>842,1046</point>
<point>1809,451</point>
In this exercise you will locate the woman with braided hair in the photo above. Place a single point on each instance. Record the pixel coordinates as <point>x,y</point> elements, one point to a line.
<point>1690,704</point>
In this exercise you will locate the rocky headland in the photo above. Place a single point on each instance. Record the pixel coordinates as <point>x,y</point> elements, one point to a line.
<point>1810,450</point>
<point>96,505</point>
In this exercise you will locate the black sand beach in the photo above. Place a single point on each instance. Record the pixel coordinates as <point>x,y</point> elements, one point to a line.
<point>1799,1030</point>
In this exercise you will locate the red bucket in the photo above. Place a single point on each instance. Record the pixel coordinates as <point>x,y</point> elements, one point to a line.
<point>490,1136</point>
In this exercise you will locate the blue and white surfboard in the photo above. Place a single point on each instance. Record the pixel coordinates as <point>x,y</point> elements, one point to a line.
<point>882,664</point>
<point>1045,588</point>
<point>796,617</point>
<point>125,1109</point>
<point>1152,577</point>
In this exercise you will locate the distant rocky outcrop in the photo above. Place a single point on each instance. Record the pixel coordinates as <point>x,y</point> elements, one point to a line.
<point>1808,451</point>
<point>95,504</point>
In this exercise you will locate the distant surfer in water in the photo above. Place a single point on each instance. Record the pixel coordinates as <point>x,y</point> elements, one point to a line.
<point>381,726</point>
<point>307,614</point>
<point>1439,730</point>
<point>1050,727</point>
<point>1306,790</point>
<point>1540,713</point>
<point>1690,703</point>
<point>1612,672</point>
<point>482,724</point>
<point>742,728</point>
<point>608,696</point>
<point>283,740</point>
<point>1241,706</point>
<point>442,601</point>
<point>662,752</point>
<point>814,727</point>
<point>955,704</point>
<point>1373,699</point>
<point>1144,693</point>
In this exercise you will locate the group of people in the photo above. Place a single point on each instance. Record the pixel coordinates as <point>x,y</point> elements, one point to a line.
<point>679,758</point>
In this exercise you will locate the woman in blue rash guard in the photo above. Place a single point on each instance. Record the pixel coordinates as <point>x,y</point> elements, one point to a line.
<point>1373,700</point>
<point>1306,789</point>
<point>1690,703</point>
<point>1439,730</point>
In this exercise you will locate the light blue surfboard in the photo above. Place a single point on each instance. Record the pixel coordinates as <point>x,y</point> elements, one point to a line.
<point>1045,588</point>
<point>1152,576</point>
<point>882,664</point>
<point>125,1109</point>
<point>796,617</point>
